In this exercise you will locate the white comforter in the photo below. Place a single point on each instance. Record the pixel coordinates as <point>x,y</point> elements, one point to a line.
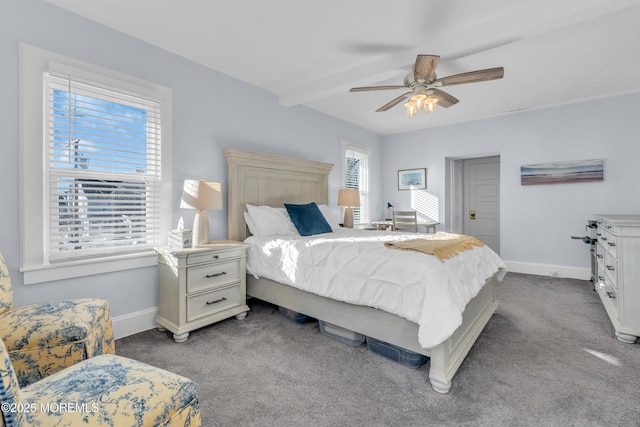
<point>356,267</point>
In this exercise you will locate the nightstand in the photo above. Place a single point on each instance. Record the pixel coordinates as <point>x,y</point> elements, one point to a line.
<point>201,286</point>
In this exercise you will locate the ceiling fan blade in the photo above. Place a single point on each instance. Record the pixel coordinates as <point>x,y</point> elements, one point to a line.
<point>473,76</point>
<point>444,99</point>
<point>424,67</point>
<point>366,88</point>
<point>394,102</point>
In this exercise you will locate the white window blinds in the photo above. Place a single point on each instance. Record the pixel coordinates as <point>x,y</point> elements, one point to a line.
<point>103,168</point>
<point>357,177</point>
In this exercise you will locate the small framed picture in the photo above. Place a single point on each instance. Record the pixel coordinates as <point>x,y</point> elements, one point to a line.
<point>412,179</point>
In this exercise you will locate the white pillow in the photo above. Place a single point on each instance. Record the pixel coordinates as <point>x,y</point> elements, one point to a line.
<point>326,212</point>
<point>268,221</point>
<point>252,226</point>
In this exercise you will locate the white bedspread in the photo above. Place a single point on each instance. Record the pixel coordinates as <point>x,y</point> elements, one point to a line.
<point>355,266</point>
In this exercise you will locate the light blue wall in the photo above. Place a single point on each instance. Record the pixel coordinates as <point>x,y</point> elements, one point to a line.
<point>211,113</point>
<point>537,220</point>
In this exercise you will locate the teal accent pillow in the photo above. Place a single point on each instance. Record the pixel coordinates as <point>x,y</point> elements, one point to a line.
<point>308,219</point>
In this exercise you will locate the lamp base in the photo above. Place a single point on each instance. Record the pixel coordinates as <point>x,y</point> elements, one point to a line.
<point>200,228</point>
<point>348,217</point>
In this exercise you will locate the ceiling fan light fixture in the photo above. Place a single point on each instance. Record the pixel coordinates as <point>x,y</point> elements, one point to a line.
<point>420,101</point>
<point>430,105</point>
<point>411,108</point>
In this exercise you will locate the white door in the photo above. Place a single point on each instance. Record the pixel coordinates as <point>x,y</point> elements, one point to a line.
<point>481,200</point>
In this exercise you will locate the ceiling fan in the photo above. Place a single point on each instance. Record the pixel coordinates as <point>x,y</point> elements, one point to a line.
<point>424,93</point>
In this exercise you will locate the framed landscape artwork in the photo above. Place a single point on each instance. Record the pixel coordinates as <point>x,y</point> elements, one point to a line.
<point>412,179</point>
<point>562,172</point>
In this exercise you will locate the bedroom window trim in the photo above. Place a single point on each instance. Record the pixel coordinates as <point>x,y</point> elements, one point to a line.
<point>361,215</point>
<point>42,72</point>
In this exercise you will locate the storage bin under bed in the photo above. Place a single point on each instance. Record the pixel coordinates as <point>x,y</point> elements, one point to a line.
<point>341,334</point>
<point>397,354</point>
<point>294,316</point>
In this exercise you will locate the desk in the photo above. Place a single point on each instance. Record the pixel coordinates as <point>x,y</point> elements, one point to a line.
<point>387,224</point>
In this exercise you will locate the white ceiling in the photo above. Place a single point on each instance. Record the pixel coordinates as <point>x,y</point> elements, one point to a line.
<point>311,52</point>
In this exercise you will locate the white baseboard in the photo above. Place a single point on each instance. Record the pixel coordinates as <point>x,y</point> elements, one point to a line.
<point>549,270</point>
<point>132,323</point>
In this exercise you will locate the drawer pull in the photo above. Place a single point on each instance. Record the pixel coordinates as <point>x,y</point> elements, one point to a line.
<point>611,243</point>
<point>604,239</point>
<point>216,301</point>
<point>611,295</point>
<point>599,256</point>
<point>610,267</point>
<point>209,276</point>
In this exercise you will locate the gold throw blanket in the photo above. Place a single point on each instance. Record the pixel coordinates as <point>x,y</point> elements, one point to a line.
<point>442,245</point>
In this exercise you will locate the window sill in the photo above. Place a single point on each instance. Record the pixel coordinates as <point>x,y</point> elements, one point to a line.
<point>86,267</point>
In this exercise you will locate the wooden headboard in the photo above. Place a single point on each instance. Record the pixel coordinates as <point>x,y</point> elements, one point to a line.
<point>267,179</point>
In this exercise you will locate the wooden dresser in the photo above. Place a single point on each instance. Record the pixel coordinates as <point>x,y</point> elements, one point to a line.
<point>618,278</point>
<point>201,286</point>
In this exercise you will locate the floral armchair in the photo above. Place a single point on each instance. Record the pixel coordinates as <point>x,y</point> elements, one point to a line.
<point>42,339</point>
<point>106,390</point>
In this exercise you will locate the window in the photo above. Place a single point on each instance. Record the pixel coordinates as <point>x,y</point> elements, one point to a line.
<point>356,176</point>
<point>103,169</point>
<point>100,161</point>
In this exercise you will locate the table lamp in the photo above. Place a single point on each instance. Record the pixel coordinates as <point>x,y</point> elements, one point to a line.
<point>203,196</point>
<point>349,199</point>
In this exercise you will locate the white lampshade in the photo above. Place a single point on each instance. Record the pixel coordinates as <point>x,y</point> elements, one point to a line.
<point>349,199</point>
<point>200,194</point>
<point>203,196</point>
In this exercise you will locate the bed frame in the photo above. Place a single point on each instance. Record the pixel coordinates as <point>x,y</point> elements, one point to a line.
<point>266,179</point>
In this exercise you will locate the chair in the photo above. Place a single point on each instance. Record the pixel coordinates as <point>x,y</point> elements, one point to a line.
<point>42,339</point>
<point>405,221</point>
<point>106,390</point>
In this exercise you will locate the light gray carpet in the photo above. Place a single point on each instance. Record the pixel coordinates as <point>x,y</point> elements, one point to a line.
<point>548,357</point>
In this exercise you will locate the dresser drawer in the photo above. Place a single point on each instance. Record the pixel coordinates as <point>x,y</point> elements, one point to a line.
<point>607,266</point>
<point>610,227</point>
<point>600,253</point>
<point>212,275</point>
<point>611,245</point>
<point>212,257</point>
<point>212,302</point>
<point>610,295</point>
<point>608,240</point>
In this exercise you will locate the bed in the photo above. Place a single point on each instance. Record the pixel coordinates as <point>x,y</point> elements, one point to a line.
<point>260,179</point>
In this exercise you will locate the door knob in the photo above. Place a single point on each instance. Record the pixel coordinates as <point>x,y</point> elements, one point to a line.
<point>472,214</point>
